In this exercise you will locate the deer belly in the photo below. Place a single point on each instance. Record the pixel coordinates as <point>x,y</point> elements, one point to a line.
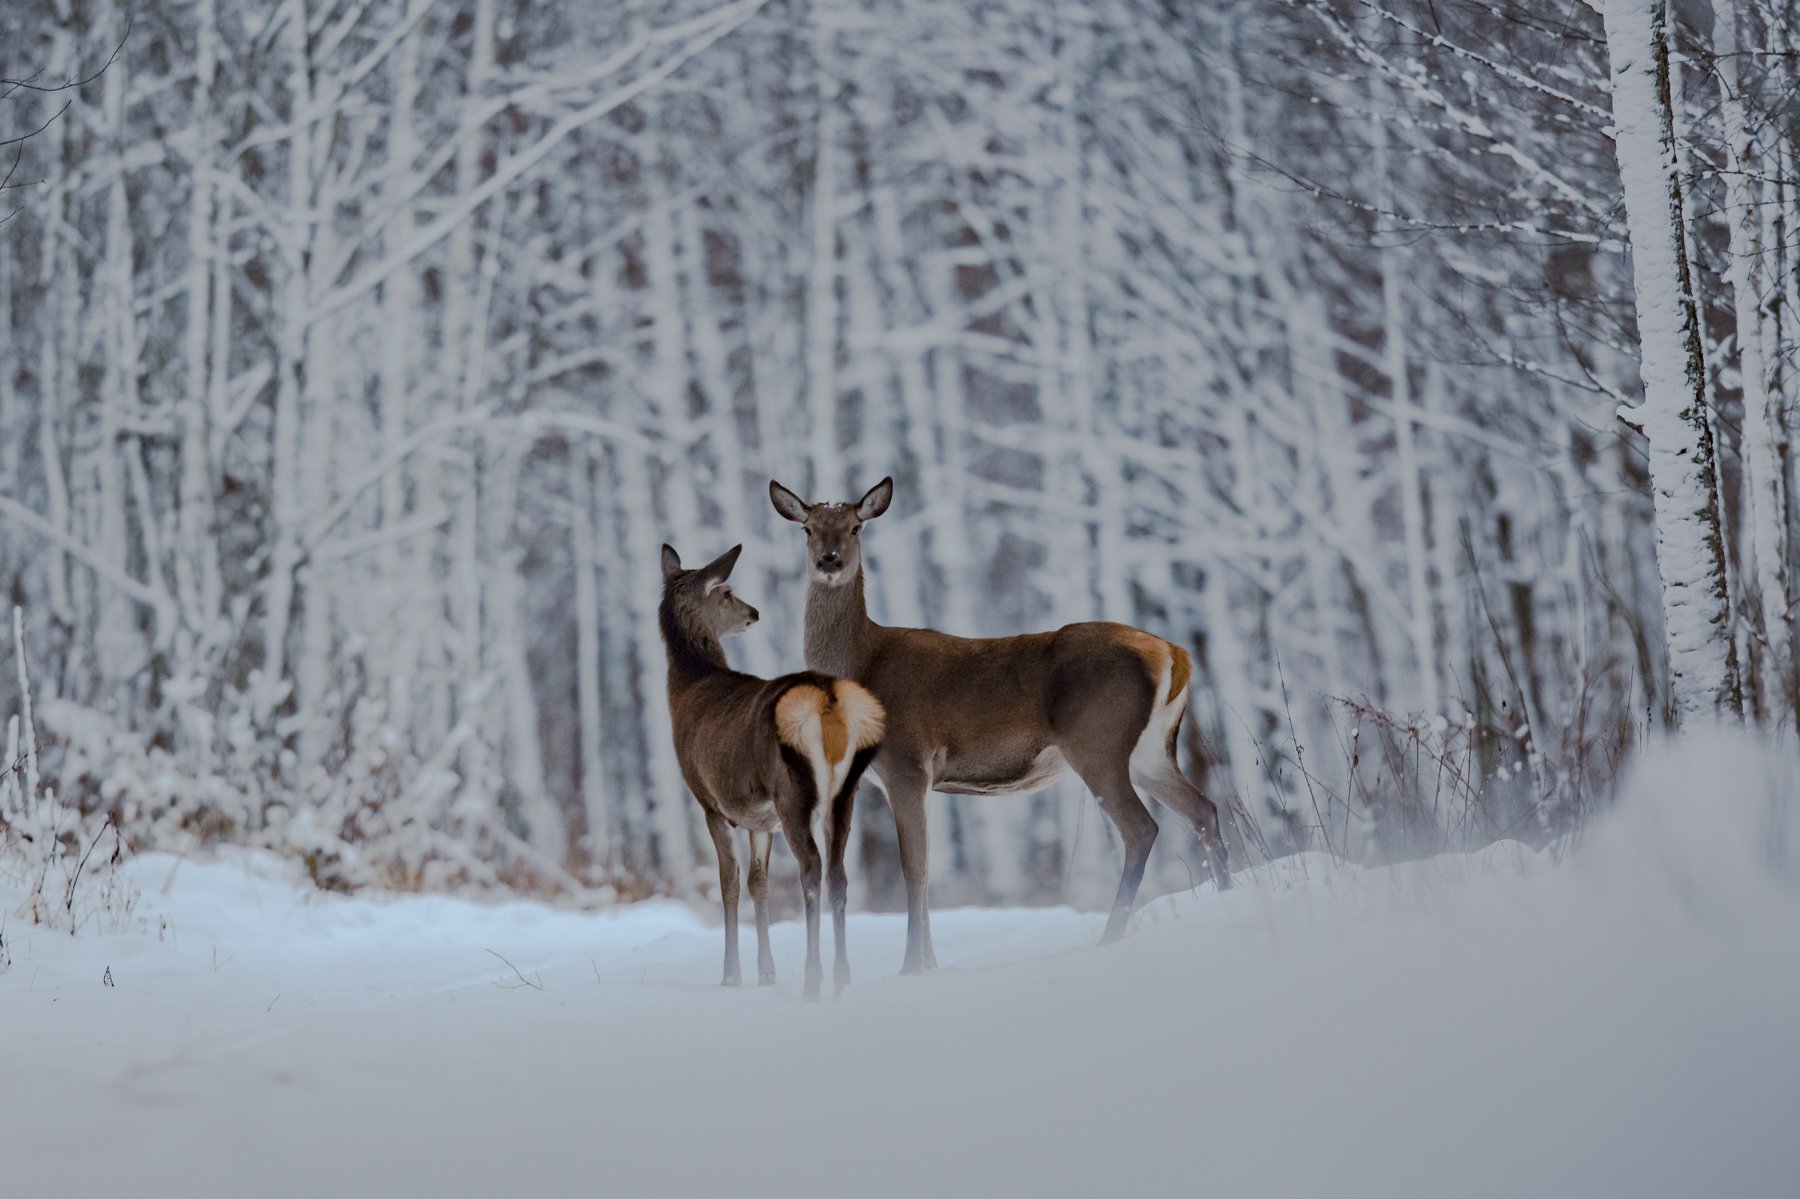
<point>1011,778</point>
<point>754,813</point>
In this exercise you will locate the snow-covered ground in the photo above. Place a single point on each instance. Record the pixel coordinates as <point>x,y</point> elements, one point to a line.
<point>1625,1021</point>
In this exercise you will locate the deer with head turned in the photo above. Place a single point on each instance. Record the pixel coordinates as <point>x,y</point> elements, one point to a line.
<point>985,716</point>
<point>763,754</point>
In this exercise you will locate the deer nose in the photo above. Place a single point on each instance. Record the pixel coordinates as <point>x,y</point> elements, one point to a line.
<point>831,559</point>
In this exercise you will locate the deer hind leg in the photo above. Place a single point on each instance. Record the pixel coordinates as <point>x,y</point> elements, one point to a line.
<point>837,840</point>
<point>760,845</point>
<point>720,829</point>
<point>1168,786</point>
<point>1109,778</point>
<point>795,813</point>
<point>806,852</point>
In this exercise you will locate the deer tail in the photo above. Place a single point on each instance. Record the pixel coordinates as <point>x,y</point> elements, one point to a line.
<point>828,724</point>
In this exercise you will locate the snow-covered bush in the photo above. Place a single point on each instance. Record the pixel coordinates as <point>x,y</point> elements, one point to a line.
<point>376,815</point>
<point>80,791</point>
<point>1408,785</point>
<point>63,858</point>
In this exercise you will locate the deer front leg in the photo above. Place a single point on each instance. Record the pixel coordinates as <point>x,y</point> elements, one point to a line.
<point>906,786</point>
<point>837,840</point>
<point>760,844</point>
<point>720,829</point>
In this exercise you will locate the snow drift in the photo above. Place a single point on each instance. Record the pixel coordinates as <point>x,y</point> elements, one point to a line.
<point>1617,1022</point>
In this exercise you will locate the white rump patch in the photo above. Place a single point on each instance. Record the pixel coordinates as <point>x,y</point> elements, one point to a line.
<point>857,719</point>
<point>1150,756</point>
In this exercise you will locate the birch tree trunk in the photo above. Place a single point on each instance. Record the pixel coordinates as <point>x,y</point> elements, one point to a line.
<point>196,561</point>
<point>588,666</point>
<point>1395,364</point>
<point>284,448</point>
<point>1764,488</point>
<point>822,282</point>
<point>1690,552</point>
<point>399,657</point>
<point>118,401</point>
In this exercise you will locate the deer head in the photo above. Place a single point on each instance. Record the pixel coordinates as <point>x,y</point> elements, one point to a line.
<point>833,531</point>
<point>701,600</point>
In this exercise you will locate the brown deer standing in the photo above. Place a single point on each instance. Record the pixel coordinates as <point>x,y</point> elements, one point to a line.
<point>985,716</point>
<point>762,753</point>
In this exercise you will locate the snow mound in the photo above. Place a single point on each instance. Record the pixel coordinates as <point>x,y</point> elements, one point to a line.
<point>1711,821</point>
<point>1619,1022</point>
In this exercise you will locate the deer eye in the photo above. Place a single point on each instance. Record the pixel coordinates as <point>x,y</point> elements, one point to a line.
<point>856,532</point>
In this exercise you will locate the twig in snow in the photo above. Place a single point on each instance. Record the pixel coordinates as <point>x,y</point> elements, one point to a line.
<point>69,897</point>
<point>537,985</point>
<point>1300,763</point>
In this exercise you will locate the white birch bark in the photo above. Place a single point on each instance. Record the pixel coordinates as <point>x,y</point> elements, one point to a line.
<point>54,362</point>
<point>464,348</point>
<point>12,447</point>
<point>284,448</point>
<point>398,657</point>
<point>664,385</point>
<point>1681,128</point>
<point>317,606</point>
<point>544,825</point>
<point>1420,630</point>
<point>1074,350</point>
<point>471,683</point>
<point>822,279</point>
<point>712,374</point>
<point>1690,553</point>
<point>1762,425</point>
<point>1240,723</point>
<point>196,562</point>
<point>632,754</point>
<point>588,680</point>
<point>113,642</point>
<point>1453,600</point>
<point>952,532</point>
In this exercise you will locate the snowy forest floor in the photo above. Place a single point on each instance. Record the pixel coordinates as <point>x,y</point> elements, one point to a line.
<point>1617,1022</point>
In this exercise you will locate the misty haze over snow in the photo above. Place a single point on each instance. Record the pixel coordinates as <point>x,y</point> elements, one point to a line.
<point>1619,1022</point>
<point>1422,370</point>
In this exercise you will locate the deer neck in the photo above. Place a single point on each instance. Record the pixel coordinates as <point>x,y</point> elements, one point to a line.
<point>839,633</point>
<point>692,656</point>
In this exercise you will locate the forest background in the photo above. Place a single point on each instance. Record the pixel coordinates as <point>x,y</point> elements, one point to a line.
<point>1425,367</point>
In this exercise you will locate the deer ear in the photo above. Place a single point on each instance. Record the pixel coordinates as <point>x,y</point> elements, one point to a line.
<point>787,503</point>
<point>671,562</point>
<point>719,569</point>
<point>876,501</point>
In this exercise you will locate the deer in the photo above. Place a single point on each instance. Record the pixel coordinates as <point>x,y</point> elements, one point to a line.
<point>762,754</point>
<point>998,715</point>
